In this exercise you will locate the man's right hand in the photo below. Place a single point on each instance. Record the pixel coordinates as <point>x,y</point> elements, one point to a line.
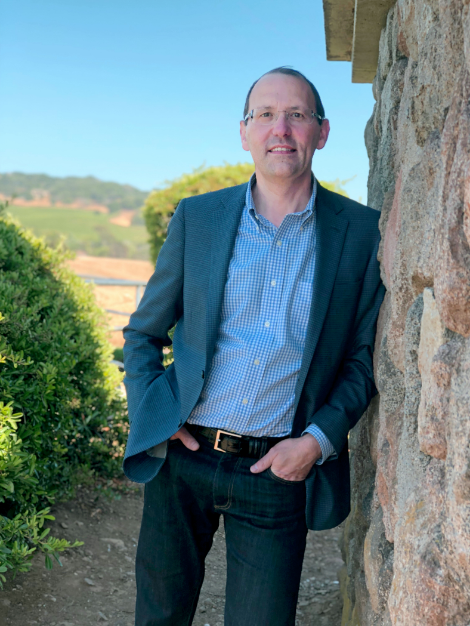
<point>186,438</point>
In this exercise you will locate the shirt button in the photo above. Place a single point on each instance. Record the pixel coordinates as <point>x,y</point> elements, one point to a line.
<point>266,324</point>
<point>273,283</point>
<point>245,400</point>
<point>256,361</point>
<point>279,243</point>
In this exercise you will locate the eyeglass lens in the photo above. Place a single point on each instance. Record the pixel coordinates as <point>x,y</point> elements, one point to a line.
<point>270,116</point>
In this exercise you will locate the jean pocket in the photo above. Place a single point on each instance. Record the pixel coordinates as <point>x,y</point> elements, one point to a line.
<point>173,442</point>
<point>278,479</point>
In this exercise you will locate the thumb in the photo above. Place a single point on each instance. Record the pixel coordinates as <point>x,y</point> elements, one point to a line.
<point>262,464</point>
<point>187,439</point>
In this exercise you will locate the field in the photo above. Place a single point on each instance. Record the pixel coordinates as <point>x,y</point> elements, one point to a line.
<point>86,231</point>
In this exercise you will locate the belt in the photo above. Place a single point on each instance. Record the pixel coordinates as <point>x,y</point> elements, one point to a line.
<point>225,441</point>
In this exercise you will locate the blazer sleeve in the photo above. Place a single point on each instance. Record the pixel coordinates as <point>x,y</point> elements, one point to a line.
<point>158,311</point>
<point>354,385</point>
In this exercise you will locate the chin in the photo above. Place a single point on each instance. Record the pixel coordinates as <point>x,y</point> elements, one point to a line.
<point>283,171</point>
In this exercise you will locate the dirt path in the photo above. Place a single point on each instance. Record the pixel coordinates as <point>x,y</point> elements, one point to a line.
<point>96,584</point>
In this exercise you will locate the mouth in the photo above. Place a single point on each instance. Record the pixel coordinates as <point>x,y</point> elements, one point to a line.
<point>282,150</point>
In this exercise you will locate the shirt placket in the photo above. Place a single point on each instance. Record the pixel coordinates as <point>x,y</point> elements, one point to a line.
<point>273,284</point>
<point>288,237</point>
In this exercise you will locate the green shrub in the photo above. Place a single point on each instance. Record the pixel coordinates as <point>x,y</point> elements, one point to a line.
<point>23,534</point>
<point>337,185</point>
<point>61,411</point>
<point>118,354</point>
<point>161,204</point>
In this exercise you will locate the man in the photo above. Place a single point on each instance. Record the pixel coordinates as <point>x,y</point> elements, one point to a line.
<point>274,288</point>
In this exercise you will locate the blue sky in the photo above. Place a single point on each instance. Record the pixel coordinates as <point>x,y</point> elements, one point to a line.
<point>140,92</point>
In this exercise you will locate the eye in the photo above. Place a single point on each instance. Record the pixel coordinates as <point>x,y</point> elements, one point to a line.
<point>266,114</point>
<point>297,115</point>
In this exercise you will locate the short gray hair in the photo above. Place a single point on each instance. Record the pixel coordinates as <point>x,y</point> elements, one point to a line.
<point>288,71</point>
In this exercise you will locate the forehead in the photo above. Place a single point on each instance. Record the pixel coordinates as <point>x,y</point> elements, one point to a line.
<point>281,89</point>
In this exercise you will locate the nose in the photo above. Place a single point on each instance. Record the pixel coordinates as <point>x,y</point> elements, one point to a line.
<point>281,127</point>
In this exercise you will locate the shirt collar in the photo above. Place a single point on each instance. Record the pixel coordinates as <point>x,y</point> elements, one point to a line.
<point>306,213</point>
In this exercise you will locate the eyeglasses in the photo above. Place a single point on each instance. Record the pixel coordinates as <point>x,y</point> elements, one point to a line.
<point>297,117</point>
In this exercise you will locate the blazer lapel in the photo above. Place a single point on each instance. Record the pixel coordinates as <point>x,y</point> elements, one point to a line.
<point>225,220</point>
<point>330,233</point>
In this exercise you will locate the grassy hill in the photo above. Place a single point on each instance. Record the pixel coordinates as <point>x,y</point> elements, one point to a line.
<point>84,230</point>
<point>72,189</point>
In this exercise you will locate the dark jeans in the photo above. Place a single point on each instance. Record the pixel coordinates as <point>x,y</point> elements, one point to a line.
<point>265,532</point>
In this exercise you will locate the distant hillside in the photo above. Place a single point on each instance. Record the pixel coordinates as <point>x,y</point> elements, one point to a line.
<point>91,232</point>
<point>81,192</point>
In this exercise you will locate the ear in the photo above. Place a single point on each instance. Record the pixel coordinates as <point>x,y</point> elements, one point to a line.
<point>324,132</point>
<point>243,130</point>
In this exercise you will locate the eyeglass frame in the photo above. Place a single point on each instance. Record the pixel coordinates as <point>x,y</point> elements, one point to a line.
<point>250,116</point>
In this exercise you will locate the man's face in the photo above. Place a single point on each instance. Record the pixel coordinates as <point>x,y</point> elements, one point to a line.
<point>282,92</point>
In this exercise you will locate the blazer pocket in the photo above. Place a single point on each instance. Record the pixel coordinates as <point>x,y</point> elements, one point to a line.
<point>345,296</point>
<point>159,392</point>
<point>170,389</point>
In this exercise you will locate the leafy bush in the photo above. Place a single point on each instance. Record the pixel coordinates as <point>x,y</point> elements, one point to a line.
<point>337,185</point>
<point>61,411</point>
<point>118,354</point>
<point>161,204</point>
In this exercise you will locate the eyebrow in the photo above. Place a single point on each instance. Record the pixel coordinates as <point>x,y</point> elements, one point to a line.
<point>293,108</point>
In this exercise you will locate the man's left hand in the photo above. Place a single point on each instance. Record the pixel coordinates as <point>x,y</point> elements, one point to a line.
<point>290,459</point>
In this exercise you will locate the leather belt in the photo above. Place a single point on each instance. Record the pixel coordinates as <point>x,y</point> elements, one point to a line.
<point>225,441</point>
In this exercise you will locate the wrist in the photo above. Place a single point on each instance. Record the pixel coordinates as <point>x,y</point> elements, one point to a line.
<point>312,444</point>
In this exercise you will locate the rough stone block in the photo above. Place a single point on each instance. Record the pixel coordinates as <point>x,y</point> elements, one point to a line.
<point>432,414</point>
<point>452,284</point>
<point>378,563</point>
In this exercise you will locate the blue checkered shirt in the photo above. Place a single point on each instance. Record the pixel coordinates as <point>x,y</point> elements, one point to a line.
<point>250,386</point>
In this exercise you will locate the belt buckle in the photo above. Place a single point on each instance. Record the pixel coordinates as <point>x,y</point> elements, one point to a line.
<point>217,440</point>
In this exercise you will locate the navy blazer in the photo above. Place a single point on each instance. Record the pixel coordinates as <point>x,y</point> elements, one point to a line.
<point>335,382</point>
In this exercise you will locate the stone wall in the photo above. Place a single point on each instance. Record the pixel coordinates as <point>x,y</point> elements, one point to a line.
<point>406,543</point>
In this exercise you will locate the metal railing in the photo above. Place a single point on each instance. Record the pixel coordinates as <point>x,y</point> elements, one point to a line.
<point>118,282</point>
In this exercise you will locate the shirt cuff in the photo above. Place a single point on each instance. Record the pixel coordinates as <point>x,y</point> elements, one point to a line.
<point>327,450</point>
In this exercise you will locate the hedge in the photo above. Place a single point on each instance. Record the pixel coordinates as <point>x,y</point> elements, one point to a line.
<point>62,414</point>
<point>161,204</point>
